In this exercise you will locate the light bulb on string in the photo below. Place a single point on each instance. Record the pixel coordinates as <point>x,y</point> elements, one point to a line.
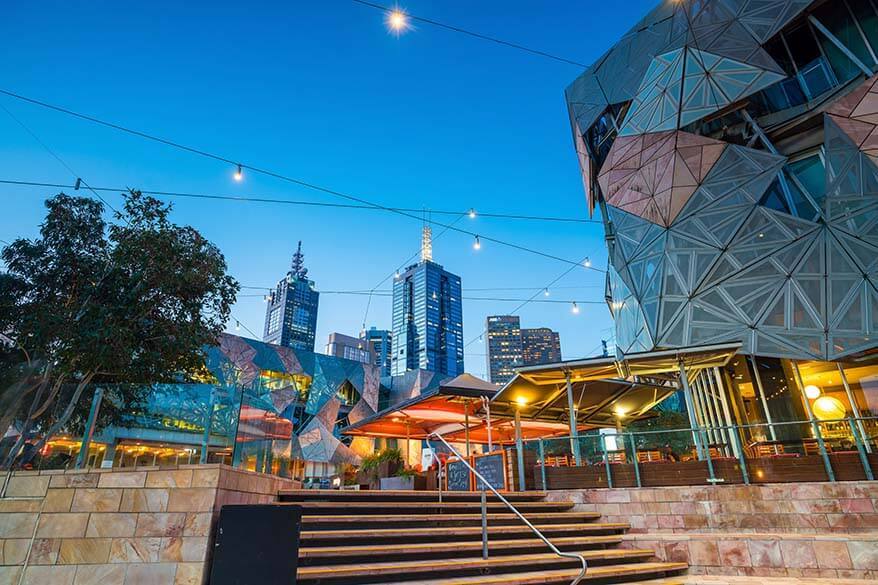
<point>239,174</point>
<point>472,213</point>
<point>397,21</point>
<point>546,292</point>
<point>237,325</point>
<point>575,308</point>
<point>477,245</point>
<point>587,262</point>
<point>481,338</point>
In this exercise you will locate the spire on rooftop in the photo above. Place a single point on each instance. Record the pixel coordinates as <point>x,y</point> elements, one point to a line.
<point>298,265</point>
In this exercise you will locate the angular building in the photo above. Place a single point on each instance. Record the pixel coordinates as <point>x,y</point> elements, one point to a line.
<point>380,343</point>
<point>349,348</point>
<point>503,347</point>
<point>510,347</point>
<point>291,314</point>
<point>731,149</point>
<point>540,346</point>
<point>427,317</point>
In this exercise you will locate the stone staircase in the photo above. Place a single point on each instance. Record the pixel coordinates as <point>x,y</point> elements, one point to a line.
<point>407,538</point>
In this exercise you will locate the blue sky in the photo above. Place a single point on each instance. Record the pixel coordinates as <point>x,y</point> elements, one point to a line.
<point>321,91</point>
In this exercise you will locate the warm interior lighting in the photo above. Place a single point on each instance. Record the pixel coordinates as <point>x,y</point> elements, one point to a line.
<point>812,392</point>
<point>521,400</point>
<point>619,411</point>
<point>829,408</point>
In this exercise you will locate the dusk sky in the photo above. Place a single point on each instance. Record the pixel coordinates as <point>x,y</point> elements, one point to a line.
<point>320,91</point>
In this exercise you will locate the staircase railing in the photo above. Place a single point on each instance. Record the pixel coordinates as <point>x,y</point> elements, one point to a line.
<point>521,517</point>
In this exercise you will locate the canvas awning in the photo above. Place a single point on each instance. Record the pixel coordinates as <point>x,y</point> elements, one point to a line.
<point>444,410</point>
<point>601,387</point>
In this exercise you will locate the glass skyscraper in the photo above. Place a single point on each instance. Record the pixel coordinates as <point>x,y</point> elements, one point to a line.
<point>379,342</point>
<point>291,314</point>
<point>509,346</point>
<point>427,318</point>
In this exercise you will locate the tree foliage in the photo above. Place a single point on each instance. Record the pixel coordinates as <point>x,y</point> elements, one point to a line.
<point>117,304</point>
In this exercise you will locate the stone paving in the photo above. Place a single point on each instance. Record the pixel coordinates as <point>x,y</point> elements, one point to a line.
<point>720,580</point>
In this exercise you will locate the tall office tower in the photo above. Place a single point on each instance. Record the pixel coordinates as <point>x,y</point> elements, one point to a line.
<point>540,346</point>
<point>291,315</point>
<point>427,317</point>
<point>503,347</point>
<point>379,342</point>
<point>349,348</point>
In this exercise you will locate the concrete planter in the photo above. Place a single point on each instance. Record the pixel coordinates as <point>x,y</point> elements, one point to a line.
<point>397,483</point>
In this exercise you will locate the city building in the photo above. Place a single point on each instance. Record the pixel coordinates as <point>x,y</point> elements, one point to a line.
<point>291,314</point>
<point>509,346</point>
<point>427,317</point>
<point>349,348</point>
<point>380,343</point>
<point>540,346</point>
<point>503,347</point>
<point>729,149</point>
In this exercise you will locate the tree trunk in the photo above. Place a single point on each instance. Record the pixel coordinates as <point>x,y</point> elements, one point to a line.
<point>68,411</point>
<point>28,421</point>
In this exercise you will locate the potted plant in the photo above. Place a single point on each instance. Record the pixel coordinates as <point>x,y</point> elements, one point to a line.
<point>384,464</point>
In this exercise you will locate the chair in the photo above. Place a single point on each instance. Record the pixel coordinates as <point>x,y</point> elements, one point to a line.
<point>649,456</point>
<point>616,456</point>
<point>812,447</point>
<point>767,449</point>
<point>562,461</point>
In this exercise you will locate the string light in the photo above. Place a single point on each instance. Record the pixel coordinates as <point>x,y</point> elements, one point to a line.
<point>237,325</point>
<point>477,245</point>
<point>472,213</point>
<point>546,292</point>
<point>239,174</point>
<point>397,21</point>
<point>587,262</point>
<point>575,308</point>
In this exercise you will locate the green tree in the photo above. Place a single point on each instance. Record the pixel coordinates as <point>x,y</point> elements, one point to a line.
<point>115,304</point>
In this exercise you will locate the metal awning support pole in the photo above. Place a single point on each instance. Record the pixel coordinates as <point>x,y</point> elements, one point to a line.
<point>82,457</point>
<point>815,428</point>
<point>519,450</point>
<point>854,408</point>
<point>571,411</point>
<point>727,415</point>
<point>543,463</point>
<point>466,427</point>
<point>690,408</point>
<point>487,404</point>
<point>762,398</point>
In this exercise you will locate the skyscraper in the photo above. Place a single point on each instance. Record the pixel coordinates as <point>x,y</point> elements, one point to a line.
<point>540,346</point>
<point>379,342</point>
<point>509,347</point>
<point>427,317</point>
<point>503,347</point>
<point>291,315</point>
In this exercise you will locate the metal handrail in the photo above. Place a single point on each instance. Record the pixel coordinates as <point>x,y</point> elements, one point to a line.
<point>533,528</point>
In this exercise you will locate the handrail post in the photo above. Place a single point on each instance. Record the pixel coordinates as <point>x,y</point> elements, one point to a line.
<point>515,511</point>
<point>606,460</point>
<point>484,523</point>
<point>742,460</point>
<point>543,463</point>
<point>634,456</point>
<point>710,473</point>
<point>864,457</point>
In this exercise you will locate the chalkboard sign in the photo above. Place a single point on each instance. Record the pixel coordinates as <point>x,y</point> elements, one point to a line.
<point>457,476</point>
<point>492,466</point>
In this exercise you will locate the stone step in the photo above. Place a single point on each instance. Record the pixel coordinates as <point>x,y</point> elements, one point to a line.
<point>399,495</point>
<point>444,533</point>
<point>384,507</point>
<point>321,522</point>
<point>347,553</point>
<point>408,570</point>
<point>610,573</point>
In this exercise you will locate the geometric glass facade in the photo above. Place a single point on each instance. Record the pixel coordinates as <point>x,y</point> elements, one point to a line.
<point>427,321</point>
<point>730,147</point>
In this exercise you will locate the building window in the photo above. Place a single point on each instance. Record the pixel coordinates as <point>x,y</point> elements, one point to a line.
<point>274,320</point>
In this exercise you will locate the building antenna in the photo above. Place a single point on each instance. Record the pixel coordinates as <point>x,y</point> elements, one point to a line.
<point>426,240</point>
<point>298,265</point>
